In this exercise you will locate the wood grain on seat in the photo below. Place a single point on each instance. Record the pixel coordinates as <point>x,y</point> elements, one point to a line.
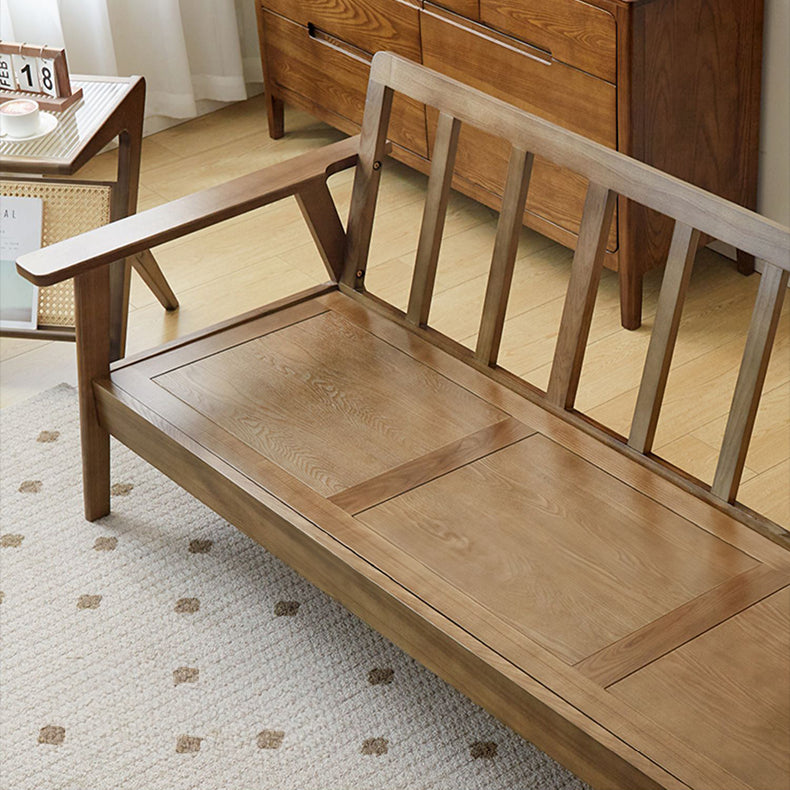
<point>726,692</point>
<point>560,550</point>
<point>328,402</point>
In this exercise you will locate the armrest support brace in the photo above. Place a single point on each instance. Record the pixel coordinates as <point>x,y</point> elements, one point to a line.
<point>180,217</point>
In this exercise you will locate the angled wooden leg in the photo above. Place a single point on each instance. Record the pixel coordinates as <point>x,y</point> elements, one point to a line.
<point>146,266</point>
<point>318,209</point>
<point>92,308</point>
<point>120,278</point>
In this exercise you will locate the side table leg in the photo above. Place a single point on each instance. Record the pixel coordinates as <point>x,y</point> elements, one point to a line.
<point>146,266</point>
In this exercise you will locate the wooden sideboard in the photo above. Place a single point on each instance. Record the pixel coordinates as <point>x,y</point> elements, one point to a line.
<point>675,83</point>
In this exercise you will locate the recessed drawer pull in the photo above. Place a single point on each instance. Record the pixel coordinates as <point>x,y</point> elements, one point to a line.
<point>337,43</point>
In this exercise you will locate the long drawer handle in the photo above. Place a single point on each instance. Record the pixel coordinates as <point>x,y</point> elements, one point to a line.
<point>532,51</point>
<point>339,44</point>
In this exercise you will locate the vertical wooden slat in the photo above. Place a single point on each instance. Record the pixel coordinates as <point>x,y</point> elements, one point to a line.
<point>325,226</point>
<point>443,161</point>
<point>505,247</point>
<point>680,262</point>
<point>748,388</point>
<point>580,297</point>
<point>92,315</point>
<point>372,148</point>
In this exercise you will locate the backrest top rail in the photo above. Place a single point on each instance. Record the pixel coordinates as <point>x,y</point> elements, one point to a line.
<point>693,206</point>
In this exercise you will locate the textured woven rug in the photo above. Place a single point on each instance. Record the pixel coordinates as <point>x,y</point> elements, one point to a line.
<point>161,648</point>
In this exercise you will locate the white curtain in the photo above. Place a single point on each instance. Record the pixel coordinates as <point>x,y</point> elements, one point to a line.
<point>188,51</point>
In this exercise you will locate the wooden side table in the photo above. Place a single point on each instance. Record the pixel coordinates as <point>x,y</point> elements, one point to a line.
<point>111,107</point>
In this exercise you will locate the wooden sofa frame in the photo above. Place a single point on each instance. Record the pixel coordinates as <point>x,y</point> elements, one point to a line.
<point>626,618</point>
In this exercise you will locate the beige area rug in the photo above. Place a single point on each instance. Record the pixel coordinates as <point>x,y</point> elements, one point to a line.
<point>162,649</point>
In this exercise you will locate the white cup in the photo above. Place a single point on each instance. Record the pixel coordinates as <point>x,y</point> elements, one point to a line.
<point>19,117</point>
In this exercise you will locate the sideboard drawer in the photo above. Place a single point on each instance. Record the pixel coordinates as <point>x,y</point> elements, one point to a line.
<point>306,63</point>
<point>572,31</point>
<point>519,75</point>
<point>371,25</point>
<point>467,8</point>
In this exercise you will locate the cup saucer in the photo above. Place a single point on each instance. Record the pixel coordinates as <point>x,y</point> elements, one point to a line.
<point>46,123</point>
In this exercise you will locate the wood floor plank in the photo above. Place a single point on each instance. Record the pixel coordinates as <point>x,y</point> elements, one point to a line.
<point>769,492</point>
<point>637,650</point>
<point>428,467</point>
<point>207,304</point>
<point>771,438</point>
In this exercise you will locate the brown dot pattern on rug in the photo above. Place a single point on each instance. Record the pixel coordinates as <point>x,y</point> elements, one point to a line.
<point>187,744</point>
<point>380,676</point>
<point>375,746</point>
<point>30,487</point>
<point>286,608</point>
<point>105,544</point>
<point>185,675</point>
<point>46,437</point>
<point>483,750</point>
<point>121,489</point>
<point>11,541</point>
<point>52,735</point>
<point>2,596</point>
<point>89,602</point>
<point>187,605</point>
<point>200,546</point>
<point>270,739</point>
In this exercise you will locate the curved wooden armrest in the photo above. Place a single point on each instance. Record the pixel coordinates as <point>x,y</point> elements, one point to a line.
<point>183,216</point>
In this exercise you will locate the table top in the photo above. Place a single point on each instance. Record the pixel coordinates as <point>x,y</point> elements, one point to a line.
<point>77,125</point>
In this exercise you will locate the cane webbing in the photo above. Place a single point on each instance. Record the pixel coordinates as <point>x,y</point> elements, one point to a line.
<point>69,209</point>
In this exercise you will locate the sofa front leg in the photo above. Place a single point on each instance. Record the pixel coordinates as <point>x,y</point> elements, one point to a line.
<point>92,309</point>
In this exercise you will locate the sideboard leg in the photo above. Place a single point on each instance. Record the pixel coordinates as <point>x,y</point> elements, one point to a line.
<point>744,262</point>
<point>275,115</point>
<point>630,298</point>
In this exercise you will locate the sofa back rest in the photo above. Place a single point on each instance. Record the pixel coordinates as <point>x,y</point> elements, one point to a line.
<point>609,174</point>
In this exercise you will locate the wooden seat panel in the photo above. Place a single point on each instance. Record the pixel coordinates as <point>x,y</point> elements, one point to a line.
<point>362,407</point>
<point>529,532</point>
<point>727,692</point>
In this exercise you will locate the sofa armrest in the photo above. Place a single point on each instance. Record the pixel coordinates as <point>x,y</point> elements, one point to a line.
<point>177,218</point>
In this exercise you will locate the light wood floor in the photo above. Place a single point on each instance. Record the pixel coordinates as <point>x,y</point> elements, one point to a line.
<point>268,254</point>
